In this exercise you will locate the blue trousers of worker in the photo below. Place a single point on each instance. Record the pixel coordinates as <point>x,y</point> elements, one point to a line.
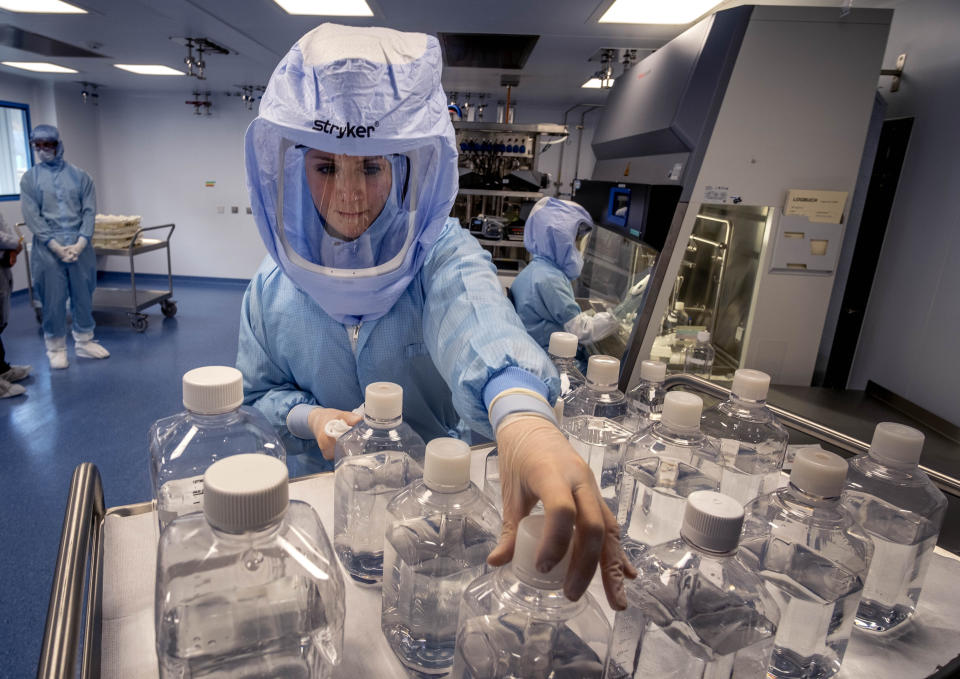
<point>54,282</point>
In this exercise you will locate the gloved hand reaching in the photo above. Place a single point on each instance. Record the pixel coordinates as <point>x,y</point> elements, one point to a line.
<point>318,419</point>
<point>538,463</point>
<point>64,254</point>
<point>592,328</point>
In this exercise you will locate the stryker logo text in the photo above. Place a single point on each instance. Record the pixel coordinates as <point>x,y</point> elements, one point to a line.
<point>348,130</point>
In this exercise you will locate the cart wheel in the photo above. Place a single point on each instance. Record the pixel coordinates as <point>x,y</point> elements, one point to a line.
<point>139,322</point>
<point>168,308</point>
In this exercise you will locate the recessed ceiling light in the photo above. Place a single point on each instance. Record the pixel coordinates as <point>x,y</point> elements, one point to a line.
<point>40,7</point>
<point>38,66</point>
<point>656,11</point>
<point>593,83</point>
<point>333,8</point>
<point>149,69</point>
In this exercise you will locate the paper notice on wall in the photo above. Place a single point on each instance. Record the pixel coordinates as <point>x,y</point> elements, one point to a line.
<point>825,207</point>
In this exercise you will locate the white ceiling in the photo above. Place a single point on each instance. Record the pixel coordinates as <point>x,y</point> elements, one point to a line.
<point>139,31</point>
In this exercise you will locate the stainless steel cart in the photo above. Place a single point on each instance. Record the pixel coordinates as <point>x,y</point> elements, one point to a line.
<point>121,543</point>
<point>132,300</point>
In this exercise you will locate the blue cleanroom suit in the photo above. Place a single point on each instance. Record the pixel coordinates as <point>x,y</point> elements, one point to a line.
<point>414,300</point>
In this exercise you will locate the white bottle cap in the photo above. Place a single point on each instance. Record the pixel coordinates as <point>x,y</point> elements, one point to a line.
<point>818,472</point>
<point>653,371</point>
<point>245,492</point>
<point>703,336</point>
<point>563,344</point>
<point>896,444</point>
<point>603,372</point>
<point>751,384</point>
<point>212,390</point>
<point>446,467</point>
<point>679,306</point>
<point>525,556</point>
<point>383,401</point>
<point>681,411</point>
<point>712,521</point>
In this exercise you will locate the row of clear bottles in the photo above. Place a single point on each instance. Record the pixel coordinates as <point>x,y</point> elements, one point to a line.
<point>811,542</point>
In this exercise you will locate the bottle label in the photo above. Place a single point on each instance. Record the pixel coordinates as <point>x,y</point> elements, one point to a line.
<point>564,384</point>
<point>696,361</point>
<point>179,497</point>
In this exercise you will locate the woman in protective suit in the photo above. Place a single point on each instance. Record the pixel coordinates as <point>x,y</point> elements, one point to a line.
<point>352,171</point>
<point>542,292</point>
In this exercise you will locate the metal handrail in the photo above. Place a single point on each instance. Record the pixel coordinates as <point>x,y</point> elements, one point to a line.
<point>805,426</point>
<point>82,535</point>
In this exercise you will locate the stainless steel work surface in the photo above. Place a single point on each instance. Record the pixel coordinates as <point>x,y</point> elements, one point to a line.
<point>127,645</point>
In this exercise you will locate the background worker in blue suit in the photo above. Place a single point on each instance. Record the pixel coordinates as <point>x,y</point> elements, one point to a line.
<point>542,292</point>
<point>59,203</point>
<point>352,172</point>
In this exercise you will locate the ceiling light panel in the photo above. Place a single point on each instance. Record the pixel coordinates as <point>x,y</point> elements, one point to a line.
<point>40,7</point>
<point>38,66</point>
<point>656,11</point>
<point>149,69</point>
<point>593,83</point>
<point>333,8</point>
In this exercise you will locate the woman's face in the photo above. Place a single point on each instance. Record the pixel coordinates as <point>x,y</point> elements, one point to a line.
<point>348,191</point>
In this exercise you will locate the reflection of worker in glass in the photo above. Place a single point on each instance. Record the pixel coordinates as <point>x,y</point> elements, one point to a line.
<point>352,169</point>
<point>542,292</point>
<point>59,203</point>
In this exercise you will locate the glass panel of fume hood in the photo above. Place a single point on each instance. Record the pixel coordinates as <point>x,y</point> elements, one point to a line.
<point>614,276</point>
<point>715,285</point>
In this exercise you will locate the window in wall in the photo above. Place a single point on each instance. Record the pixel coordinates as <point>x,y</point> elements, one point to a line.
<point>15,156</point>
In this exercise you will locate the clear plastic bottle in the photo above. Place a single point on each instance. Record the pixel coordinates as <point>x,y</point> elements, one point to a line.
<point>600,443</point>
<point>752,442</point>
<point>902,511</point>
<point>694,610</point>
<point>516,622</point>
<point>440,530</point>
<point>213,426</point>
<point>374,460</point>
<point>699,357</point>
<point>677,316</point>
<point>249,587</point>
<point>599,396</point>
<point>563,352</point>
<point>661,467</point>
<point>645,401</point>
<point>814,557</point>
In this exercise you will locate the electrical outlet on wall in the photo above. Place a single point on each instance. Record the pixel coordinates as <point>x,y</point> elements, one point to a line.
<point>234,209</point>
<point>220,209</point>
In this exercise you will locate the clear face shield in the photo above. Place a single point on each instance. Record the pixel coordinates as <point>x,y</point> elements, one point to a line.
<point>347,215</point>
